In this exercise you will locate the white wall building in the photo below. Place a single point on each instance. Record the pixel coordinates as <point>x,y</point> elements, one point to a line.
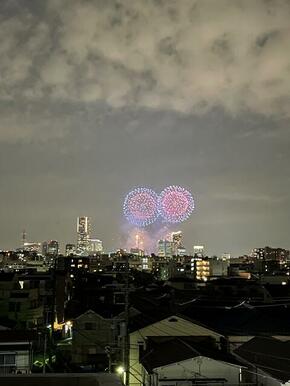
<point>199,368</point>
<point>171,326</point>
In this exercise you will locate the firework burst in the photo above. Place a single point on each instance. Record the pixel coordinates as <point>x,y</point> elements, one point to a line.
<point>141,207</point>
<point>175,204</point>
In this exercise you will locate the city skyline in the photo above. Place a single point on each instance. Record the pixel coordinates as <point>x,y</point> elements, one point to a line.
<point>199,99</point>
<point>84,242</point>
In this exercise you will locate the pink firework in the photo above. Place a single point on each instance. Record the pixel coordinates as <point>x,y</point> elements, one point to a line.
<point>175,204</point>
<point>141,206</point>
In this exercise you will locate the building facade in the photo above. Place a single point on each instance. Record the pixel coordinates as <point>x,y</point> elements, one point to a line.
<point>70,249</point>
<point>165,248</point>
<point>50,248</point>
<point>95,246</point>
<point>83,235</point>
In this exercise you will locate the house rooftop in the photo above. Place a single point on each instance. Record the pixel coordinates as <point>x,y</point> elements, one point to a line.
<point>269,354</point>
<point>165,350</point>
<point>242,319</point>
<point>17,336</point>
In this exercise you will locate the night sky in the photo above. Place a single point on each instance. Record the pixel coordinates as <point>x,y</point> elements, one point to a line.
<point>100,96</point>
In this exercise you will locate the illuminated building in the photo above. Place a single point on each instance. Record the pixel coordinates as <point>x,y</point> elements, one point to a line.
<point>70,249</point>
<point>268,253</point>
<point>83,235</point>
<point>181,251</point>
<point>198,250</point>
<point>204,267</point>
<point>76,265</point>
<point>95,246</point>
<point>226,256</point>
<point>145,261</point>
<point>165,248</point>
<point>138,249</point>
<point>258,253</point>
<point>201,268</point>
<point>176,238</point>
<point>50,248</point>
<point>136,252</point>
<point>29,246</point>
<point>32,247</point>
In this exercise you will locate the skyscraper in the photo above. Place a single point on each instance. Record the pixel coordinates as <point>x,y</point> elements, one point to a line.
<point>164,248</point>
<point>83,235</point>
<point>176,238</point>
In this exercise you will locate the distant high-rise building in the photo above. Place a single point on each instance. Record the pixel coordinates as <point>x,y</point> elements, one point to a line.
<point>198,250</point>
<point>83,235</point>
<point>95,246</point>
<point>165,248</point>
<point>50,248</point>
<point>70,249</point>
<point>176,238</point>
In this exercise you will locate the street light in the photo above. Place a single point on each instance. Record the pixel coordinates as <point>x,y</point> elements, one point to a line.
<point>120,370</point>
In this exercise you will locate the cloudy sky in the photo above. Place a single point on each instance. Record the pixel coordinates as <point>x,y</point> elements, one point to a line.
<point>99,96</point>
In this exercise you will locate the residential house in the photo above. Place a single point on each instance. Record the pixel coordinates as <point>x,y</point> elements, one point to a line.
<point>242,321</point>
<point>16,348</point>
<point>268,360</point>
<point>142,327</point>
<point>20,301</point>
<point>188,360</point>
<point>92,335</point>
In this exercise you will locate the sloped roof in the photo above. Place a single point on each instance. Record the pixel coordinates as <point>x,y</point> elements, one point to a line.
<point>162,351</point>
<point>17,336</point>
<point>269,354</point>
<point>160,321</point>
<point>244,320</point>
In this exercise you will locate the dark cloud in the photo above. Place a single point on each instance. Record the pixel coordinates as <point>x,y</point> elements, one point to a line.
<point>99,96</point>
<point>187,56</point>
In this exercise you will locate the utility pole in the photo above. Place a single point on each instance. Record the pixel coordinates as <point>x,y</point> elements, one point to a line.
<point>52,311</point>
<point>44,351</point>
<point>45,343</point>
<point>127,336</point>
